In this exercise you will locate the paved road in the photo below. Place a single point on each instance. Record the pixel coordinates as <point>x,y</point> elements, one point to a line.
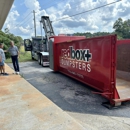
<point>73,96</point>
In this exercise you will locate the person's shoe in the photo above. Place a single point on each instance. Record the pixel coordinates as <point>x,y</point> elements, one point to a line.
<point>17,73</point>
<point>5,74</point>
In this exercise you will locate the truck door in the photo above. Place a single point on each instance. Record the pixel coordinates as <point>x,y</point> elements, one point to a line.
<point>27,45</point>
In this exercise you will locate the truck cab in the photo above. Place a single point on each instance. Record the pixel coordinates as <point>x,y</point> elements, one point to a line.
<point>39,50</point>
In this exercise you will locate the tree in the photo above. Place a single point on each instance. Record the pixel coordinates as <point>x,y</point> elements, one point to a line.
<point>6,30</point>
<point>89,35</point>
<point>118,25</point>
<point>122,28</point>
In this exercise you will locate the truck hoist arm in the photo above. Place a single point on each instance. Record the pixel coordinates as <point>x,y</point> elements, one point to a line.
<point>47,26</point>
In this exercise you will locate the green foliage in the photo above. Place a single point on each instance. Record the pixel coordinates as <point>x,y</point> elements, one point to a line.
<point>6,38</point>
<point>89,35</point>
<point>122,28</point>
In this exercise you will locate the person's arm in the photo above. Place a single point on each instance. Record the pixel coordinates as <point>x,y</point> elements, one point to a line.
<point>0,58</point>
<point>6,50</point>
<point>17,51</point>
<point>18,54</point>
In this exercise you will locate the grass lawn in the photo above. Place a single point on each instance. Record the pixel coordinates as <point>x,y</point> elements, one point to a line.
<point>24,56</point>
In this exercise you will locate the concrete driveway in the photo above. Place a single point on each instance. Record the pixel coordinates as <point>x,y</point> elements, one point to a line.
<point>22,107</point>
<point>76,98</point>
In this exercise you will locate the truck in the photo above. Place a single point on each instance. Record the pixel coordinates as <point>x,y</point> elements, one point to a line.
<point>39,45</point>
<point>93,61</point>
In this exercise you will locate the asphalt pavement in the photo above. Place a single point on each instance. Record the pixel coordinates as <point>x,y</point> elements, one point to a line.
<point>76,98</point>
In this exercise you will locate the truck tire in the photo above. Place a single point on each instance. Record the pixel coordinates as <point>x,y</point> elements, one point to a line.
<point>32,56</point>
<point>39,59</point>
<point>42,63</point>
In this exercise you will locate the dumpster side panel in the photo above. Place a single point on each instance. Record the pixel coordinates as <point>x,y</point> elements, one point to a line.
<point>54,53</point>
<point>58,39</point>
<point>90,61</point>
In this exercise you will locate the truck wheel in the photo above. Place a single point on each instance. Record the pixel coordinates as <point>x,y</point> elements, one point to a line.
<point>32,58</point>
<point>39,59</point>
<point>42,63</point>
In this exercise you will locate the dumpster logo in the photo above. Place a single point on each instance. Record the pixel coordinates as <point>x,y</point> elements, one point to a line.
<point>76,58</point>
<point>79,54</point>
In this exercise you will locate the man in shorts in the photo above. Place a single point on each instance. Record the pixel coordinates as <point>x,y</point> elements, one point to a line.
<point>2,59</point>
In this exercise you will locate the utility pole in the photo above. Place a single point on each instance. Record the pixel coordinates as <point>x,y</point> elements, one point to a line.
<point>41,29</point>
<point>34,22</point>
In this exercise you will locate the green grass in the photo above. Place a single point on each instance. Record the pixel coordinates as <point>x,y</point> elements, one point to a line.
<point>24,56</point>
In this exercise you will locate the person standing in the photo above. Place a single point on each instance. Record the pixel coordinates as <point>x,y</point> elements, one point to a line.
<point>14,52</point>
<point>2,60</point>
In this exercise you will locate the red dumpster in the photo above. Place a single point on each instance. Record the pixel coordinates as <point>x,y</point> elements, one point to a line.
<point>59,39</point>
<point>93,62</point>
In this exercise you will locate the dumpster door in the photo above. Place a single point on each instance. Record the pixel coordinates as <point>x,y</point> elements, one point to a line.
<point>27,45</point>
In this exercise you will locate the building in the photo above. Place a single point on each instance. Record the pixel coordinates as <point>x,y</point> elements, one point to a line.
<point>5,6</point>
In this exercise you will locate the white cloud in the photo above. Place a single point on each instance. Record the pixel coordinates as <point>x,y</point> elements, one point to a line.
<point>11,19</point>
<point>24,30</point>
<point>97,20</point>
<point>67,6</point>
<point>13,6</point>
<point>64,30</point>
<point>12,16</point>
<point>32,5</point>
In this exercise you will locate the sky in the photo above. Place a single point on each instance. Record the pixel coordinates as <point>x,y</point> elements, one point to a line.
<point>20,19</point>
